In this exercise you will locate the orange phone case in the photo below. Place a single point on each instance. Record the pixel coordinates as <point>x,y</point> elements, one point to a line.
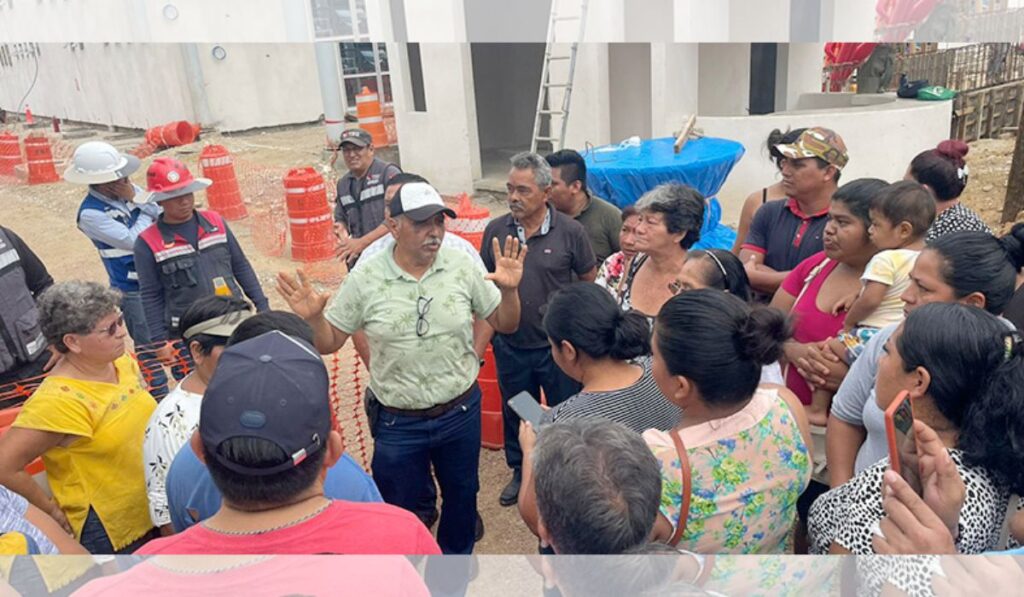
<point>890,429</point>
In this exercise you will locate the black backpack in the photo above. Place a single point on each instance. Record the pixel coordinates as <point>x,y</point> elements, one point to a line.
<point>909,89</point>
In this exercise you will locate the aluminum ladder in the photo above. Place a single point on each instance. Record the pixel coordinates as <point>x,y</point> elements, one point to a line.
<point>556,119</point>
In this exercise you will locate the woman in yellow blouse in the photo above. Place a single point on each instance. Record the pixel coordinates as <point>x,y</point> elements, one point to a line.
<point>86,421</point>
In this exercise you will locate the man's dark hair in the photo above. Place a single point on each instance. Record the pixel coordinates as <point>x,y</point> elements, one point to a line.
<point>266,491</point>
<point>287,323</point>
<point>206,308</point>
<point>571,165</point>
<point>598,486</point>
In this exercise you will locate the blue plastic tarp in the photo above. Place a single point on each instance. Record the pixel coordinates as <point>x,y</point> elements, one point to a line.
<point>623,173</point>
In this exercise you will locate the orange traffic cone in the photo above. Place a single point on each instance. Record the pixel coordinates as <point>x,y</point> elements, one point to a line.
<point>223,195</point>
<point>40,160</point>
<point>28,115</point>
<point>370,118</point>
<point>10,154</point>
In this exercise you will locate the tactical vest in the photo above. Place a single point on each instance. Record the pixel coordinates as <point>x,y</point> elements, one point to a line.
<point>191,272</point>
<point>120,263</point>
<point>21,338</point>
<point>364,212</point>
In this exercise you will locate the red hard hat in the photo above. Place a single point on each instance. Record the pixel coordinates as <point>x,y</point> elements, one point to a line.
<point>168,178</point>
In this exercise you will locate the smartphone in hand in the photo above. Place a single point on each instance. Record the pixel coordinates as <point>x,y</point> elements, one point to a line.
<point>528,409</point>
<point>899,429</point>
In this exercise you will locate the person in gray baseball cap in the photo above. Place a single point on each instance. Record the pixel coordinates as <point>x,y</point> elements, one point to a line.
<point>359,212</point>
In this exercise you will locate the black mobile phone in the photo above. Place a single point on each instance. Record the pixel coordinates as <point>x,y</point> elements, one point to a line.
<point>528,409</point>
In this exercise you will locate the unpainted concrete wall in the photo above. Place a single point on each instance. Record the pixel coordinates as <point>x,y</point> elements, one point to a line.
<point>881,141</point>
<point>128,85</point>
<point>143,85</point>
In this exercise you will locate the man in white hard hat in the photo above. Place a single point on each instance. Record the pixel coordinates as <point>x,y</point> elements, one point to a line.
<point>112,220</point>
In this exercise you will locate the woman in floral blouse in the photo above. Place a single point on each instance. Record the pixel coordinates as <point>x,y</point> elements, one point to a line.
<point>745,449</point>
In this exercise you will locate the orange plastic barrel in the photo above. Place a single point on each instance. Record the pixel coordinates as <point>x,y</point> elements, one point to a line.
<point>371,119</point>
<point>470,221</point>
<point>10,153</point>
<point>492,433</point>
<point>171,134</point>
<point>40,160</point>
<point>223,195</point>
<point>309,216</point>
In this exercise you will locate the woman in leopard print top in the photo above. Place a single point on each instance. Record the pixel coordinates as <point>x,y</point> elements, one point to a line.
<point>965,374</point>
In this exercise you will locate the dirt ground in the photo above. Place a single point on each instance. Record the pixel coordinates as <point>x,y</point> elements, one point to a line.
<point>44,215</point>
<point>989,162</point>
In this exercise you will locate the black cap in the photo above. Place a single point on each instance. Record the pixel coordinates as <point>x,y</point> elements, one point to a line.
<point>273,387</point>
<point>357,137</point>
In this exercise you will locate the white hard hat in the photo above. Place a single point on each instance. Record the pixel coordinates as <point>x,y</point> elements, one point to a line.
<point>96,162</point>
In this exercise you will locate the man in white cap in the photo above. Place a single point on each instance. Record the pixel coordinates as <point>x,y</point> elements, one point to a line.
<point>112,220</point>
<point>187,254</point>
<point>416,303</point>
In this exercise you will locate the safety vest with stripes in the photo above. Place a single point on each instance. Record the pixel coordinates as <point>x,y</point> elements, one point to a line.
<point>21,338</point>
<point>190,272</point>
<point>119,263</point>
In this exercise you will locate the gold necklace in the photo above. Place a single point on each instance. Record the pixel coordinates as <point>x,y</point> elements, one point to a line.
<point>250,562</point>
<point>286,525</point>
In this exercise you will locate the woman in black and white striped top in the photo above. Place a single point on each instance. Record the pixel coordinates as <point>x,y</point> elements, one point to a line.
<point>605,349</point>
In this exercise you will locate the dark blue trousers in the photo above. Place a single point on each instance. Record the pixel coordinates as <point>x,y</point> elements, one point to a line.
<point>405,447</point>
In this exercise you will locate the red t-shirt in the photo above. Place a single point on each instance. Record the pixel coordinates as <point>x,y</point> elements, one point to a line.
<point>342,528</point>
<point>811,323</point>
<point>280,575</point>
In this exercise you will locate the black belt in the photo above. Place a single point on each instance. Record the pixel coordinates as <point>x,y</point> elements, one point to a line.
<point>434,411</point>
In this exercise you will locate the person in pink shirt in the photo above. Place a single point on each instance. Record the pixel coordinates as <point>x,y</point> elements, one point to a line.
<point>265,434</point>
<point>814,294</point>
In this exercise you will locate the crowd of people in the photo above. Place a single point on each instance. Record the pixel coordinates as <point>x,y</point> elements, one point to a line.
<point>711,401</point>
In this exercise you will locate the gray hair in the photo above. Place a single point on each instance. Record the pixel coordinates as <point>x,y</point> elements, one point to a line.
<point>681,206</point>
<point>598,486</point>
<point>532,161</point>
<point>74,308</point>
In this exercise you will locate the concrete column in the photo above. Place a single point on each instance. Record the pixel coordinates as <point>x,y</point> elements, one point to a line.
<point>330,89</point>
<point>674,70</point>
<point>196,84</point>
<point>799,72</point>
<point>701,21</point>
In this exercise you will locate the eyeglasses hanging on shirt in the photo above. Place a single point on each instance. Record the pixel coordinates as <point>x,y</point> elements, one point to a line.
<point>422,308</point>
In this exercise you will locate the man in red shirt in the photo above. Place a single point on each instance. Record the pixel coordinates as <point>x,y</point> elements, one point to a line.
<point>265,435</point>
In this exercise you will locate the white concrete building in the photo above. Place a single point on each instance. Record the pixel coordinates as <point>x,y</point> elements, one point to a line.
<point>465,86</point>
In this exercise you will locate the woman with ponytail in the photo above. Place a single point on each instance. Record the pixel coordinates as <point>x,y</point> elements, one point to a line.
<point>733,468</point>
<point>964,370</point>
<point>944,172</point>
<point>606,349</point>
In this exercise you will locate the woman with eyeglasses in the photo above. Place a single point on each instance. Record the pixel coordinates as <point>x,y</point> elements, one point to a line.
<point>86,421</point>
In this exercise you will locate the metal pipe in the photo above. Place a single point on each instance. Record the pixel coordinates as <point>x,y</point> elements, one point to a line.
<point>330,89</point>
<point>196,84</point>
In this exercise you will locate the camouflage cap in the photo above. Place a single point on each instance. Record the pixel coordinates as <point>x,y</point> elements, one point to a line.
<point>818,142</point>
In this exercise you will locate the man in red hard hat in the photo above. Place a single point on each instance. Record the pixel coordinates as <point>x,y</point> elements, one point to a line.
<point>187,254</point>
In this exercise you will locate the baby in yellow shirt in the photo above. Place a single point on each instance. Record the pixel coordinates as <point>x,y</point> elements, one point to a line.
<point>900,218</point>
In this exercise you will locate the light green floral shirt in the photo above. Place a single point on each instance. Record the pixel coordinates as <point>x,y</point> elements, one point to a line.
<point>410,370</point>
<point>747,471</point>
